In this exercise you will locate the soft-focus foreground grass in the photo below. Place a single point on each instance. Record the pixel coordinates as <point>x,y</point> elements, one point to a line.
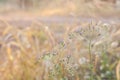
<point>33,53</point>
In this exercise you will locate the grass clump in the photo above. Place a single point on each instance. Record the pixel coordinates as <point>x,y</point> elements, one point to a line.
<point>33,53</point>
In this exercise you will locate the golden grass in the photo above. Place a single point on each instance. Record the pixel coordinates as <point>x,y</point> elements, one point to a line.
<point>118,71</point>
<point>21,48</point>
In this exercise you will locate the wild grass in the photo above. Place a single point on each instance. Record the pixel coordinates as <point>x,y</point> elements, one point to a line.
<point>83,53</point>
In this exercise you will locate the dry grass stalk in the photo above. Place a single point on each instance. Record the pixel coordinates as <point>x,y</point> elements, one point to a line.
<point>118,71</point>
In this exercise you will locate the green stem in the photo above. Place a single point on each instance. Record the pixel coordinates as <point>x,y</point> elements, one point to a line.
<point>91,64</point>
<point>90,55</point>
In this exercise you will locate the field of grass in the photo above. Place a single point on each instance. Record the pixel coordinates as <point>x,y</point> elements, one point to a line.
<point>59,40</point>
<point>86,51</point>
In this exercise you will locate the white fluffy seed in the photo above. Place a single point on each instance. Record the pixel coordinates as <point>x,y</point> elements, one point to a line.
<point>114,44</point>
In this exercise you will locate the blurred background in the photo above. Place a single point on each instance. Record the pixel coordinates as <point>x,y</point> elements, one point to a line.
<point>86,8</point>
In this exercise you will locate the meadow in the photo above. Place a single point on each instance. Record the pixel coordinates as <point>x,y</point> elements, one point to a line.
<point>59,40</point>
<point>85,51</point>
